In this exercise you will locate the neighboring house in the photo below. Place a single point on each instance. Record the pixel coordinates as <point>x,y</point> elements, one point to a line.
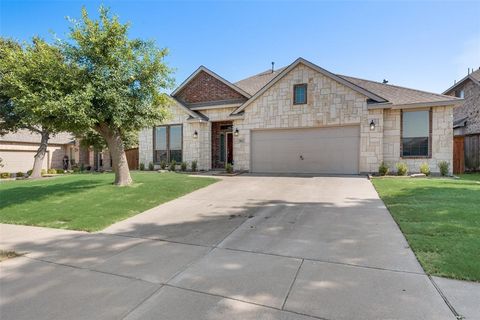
<point>301,119</point>
<point>466,123</point>
<point>18,150</point>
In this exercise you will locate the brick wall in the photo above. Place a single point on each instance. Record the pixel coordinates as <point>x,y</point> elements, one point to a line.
<point>205,88</point>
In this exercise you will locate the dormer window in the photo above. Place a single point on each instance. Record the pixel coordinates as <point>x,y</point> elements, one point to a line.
<point>300,93</point>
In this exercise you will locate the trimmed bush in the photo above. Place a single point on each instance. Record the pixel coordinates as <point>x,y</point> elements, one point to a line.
<point>229,168</point>
<point>43,172</point>
<point>173,164</point>
<point>425,169</point>
<point>402,169</point>
<point>444,166</point>
<point>60,171</point>
<point>383,169</point>
<point>142,166</point>
<point>194,165</point>
<point>163,164</point>
<point>4,175</point>
<point>151,166</point>
<point>52,171</point>
<point>19,174</point>
<point>29,172</point>
<point>183,166</point>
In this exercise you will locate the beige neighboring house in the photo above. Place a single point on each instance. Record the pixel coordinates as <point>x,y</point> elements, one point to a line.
<point>18,150</point>
<point>301,119</point>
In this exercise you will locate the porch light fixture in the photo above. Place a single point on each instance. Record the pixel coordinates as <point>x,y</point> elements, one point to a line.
<point>195,134</point>
<point>236,132</point>
<point>372,125</point>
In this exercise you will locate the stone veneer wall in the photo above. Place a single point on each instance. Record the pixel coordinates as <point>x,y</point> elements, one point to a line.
<point>329,103</point>
<point>470,107</point>
<point>198,149</point>
<point>442,140</point>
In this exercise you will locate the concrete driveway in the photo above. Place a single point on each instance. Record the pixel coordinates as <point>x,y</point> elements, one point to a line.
<point>248,247</point>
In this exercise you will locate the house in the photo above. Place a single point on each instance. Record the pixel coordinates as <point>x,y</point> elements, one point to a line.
<point>301,119</point>
<point>466,122</point>
<point>18,149</point>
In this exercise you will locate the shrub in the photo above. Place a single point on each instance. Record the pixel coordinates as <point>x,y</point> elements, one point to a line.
<point>19,174</point>
<point>194,165</point>
<point>76,169</point>
<point>425,169</point>
<point>52,171</point>
<point>173,164</point>
<point>183,166</point>
<point>82,167</point>
<point>229,168</point>
<point>4,175</point>
<point>29,172</point>
<point>142,166</point>
<point>163,164</point>
<point>444,166</point>
<point>43,172</point>
<point>402,169</point>
<point>383,169</point>
<point>151,166</point>
<point>60,171</point>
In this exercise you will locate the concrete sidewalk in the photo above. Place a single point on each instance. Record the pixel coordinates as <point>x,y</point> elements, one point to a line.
<point>244,248</point>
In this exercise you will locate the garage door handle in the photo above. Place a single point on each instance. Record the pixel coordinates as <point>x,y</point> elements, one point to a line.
<point>301,157</point>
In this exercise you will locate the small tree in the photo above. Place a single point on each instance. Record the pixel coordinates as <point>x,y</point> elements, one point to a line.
<point>127,77</point>
<point>39,91</point>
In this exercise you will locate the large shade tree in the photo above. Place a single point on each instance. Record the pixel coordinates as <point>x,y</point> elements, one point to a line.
<point>40,92</point>
<point>128,78</point>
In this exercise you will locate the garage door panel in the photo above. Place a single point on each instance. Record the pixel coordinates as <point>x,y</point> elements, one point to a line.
<point>19,161</point>
<point>324,150</point>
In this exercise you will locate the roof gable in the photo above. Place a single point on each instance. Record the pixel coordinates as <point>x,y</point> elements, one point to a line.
<point>205,87</point>
<point>324,72</point>
<point>474,77</point>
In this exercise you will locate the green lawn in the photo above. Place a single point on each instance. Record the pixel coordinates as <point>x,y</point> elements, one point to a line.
<point>440,219</point>
<point>89,201</point>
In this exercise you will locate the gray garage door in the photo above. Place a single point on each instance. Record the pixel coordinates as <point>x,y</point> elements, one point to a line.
<point>314,150</point>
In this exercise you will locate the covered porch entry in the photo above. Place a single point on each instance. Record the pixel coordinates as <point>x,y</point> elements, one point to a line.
<point>222,144</point>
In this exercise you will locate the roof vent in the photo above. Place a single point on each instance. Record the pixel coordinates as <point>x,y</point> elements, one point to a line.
<point>385,81</point>
<point>273,66</point>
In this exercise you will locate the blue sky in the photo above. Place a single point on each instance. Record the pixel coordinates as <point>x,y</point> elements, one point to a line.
<point>424,45</point>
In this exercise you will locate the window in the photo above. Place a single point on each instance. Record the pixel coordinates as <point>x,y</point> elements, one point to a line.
<point>460,94</point>
<point>416,133</point>
<point>167,143</point>
<point>300,94</point>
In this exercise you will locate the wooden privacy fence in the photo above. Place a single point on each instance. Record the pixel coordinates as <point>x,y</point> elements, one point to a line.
<point>132,158</point>
<point>472,152</point>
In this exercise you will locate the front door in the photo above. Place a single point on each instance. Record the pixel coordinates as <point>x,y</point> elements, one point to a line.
<point>229,148</point>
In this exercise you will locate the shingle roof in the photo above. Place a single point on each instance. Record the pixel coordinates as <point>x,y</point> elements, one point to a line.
<point>254,83</point>
<point>25,136</point>
<point>394,94</point>
<point>474,76</point>
<point>398,95</point>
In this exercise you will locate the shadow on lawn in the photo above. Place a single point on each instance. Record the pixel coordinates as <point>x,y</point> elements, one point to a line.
<point>44,290</point>
<point>28,193</point>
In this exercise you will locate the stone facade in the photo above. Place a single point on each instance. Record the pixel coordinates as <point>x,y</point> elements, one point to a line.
<point>329,104</point>
<point>470,107</point>
<point>442,140</point>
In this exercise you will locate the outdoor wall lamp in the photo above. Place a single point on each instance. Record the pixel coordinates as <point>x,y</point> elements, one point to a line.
<point>372,125</point>
<point>236,132</point>
<point>195,134</point>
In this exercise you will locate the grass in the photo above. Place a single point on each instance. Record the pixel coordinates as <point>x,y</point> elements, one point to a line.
<point>89,202</point>
<point>440,219</point>
<point>7,254</point>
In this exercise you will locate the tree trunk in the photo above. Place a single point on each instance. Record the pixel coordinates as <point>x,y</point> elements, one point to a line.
<point>42,150</point>
<point>117,151</point>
